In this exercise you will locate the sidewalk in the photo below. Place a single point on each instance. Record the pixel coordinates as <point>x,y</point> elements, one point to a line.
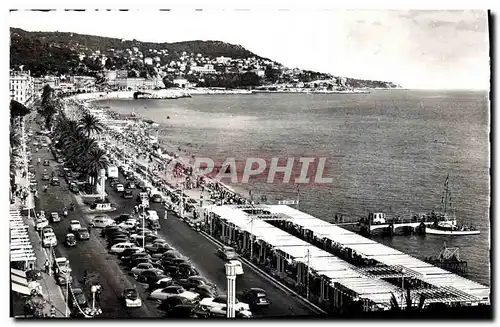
<point>50,290</point>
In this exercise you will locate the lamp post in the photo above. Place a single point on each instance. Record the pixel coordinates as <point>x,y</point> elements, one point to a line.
<point>102,184</point>
<point>68,275</point>
<point>231,288</point>
<point>93,290</point>
<point>308,272</point>
<point>143,231</point>
<point>403,271</point>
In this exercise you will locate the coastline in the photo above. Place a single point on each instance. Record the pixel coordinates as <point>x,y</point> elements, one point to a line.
<point>175,93</point>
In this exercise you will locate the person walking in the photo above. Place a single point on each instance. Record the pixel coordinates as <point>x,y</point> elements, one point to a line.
<point>47,267</point>
<point>52,312</point>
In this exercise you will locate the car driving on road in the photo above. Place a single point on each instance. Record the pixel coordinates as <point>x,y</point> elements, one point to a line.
<point>83,234</point>
<point>74,225</point>
<point>131,298</point>
<point>227,253</point>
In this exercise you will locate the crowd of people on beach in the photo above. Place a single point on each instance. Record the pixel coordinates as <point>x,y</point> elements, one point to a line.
<point>162,168</point>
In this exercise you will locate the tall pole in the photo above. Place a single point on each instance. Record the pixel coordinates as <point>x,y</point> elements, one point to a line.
<point>308,271</point>
<point>67,294</point>
<point>251,239</point>
<point>298,197</point>
<point>231,289</point>
<point>181,211</point>
<point>143,237</point>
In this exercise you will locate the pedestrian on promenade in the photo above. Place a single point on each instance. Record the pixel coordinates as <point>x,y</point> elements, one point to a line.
<point>52,312</point>
<point>47,267</point>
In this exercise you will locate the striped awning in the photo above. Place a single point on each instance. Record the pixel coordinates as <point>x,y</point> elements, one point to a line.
<point>19,282</point>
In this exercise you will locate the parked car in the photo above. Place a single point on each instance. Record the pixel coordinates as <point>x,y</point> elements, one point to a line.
<point>74,225</point>
<point>221,312</point>
<point>194,281</point>
<point>120,247</point>
<point>172,302</point>
<point>122,218</point>
<point>119,188</point>
<point>160,284</point>
<point>205,291</point>
<point>117,240</point>
<point>152,215</point>
<point>255,297</point>
<point>137,270</point>
<point>128,194</point>
<point>47,229</point>
<point>55,217</point>
<point>157,247</point>
<point>182,311</point>
<point>156,198</point>
<point>174,261</point>
<point>73,187</point>
<point>125,255</point>
<point>70,240</point>
<point>83,234</point>
<point>227,253</point>
<point>131,298</point>
<point>185,270</point>
<point>154,224</point>
<point>41,222</point>
<point>162,294</point>
<point>129,224</point>
<point>49,240</point>
<point>221,301</point>
<point>101,222</point>
<point>151,276</point>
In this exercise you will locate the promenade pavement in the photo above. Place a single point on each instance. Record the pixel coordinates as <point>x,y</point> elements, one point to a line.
<point>90,255</point>
<point>52,293</point>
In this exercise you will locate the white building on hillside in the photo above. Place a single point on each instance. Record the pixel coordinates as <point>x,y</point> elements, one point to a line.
<point>206,69</point>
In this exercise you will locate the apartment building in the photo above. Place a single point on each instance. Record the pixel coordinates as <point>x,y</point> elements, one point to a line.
<point>21,87</point>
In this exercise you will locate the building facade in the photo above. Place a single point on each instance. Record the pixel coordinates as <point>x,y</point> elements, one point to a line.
<point>22,87</point>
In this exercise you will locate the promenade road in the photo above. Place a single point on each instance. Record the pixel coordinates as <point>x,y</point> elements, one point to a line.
<point>90,255</point>
<point>202,253</point>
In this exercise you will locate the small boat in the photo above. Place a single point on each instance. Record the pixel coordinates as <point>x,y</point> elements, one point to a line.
<point>452,232</point>
<point>446,226</point>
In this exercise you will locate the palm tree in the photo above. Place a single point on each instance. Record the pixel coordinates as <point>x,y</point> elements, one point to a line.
<point>17,110</point>
<point>48,109</point>
<point>95,161</point>
<point>90,124</point>
<point>15,142</point>
<point>47,93</point>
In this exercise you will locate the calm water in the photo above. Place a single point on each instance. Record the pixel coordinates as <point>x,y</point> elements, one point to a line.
<point>388,151</point>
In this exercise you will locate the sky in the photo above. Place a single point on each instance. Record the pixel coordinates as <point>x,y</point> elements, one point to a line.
<point>416,49</point>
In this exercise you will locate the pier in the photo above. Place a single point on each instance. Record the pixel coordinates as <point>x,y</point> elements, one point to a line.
<point>330,265</point>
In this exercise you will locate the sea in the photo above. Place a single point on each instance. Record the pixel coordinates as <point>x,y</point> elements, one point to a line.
<point>387,151</point>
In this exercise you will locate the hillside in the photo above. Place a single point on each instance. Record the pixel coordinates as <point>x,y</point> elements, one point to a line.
<point>64,53</point>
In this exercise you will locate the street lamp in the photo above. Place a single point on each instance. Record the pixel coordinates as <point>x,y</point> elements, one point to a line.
<point>403,271</point>
<point>68,276</point>
<point>93,290</point>
<point>143,232</point>
<point>231,288</point>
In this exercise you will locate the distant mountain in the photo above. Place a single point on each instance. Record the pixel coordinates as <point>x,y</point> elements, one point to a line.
<point>40,51</point>
<point>71,53</point>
